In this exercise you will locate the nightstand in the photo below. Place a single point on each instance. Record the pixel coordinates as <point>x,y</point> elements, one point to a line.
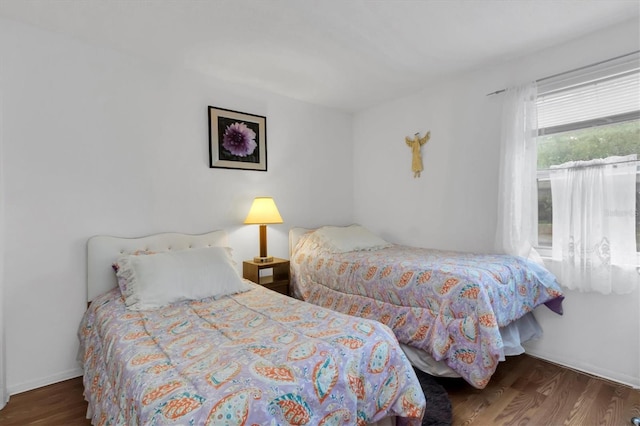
<point>277,281</point>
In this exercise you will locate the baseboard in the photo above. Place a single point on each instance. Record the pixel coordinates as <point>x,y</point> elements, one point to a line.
<point>45,381</point>
<point>613,376</point>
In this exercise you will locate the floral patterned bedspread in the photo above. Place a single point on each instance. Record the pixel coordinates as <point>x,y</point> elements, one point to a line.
<point>449,304</point>
<point>255,358</point>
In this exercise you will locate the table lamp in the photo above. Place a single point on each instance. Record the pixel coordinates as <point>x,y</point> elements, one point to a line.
<point>263,212</point>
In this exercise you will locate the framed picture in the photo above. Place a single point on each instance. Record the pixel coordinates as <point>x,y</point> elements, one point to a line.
<point>237,140</point>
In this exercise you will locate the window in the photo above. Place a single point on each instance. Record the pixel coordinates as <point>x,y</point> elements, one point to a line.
<point>595,114</point>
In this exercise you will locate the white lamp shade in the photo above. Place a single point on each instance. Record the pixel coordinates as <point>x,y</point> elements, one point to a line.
<point>263,211</point>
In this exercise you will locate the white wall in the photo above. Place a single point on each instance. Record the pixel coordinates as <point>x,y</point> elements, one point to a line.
<point>97,142</point>
<point>454,204</point>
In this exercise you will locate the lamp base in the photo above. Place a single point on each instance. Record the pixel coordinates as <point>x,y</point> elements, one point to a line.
<point>265,259</point>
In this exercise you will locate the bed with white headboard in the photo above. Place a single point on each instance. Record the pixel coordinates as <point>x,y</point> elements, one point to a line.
<point>428,297</point>
<point>103,250</point>
<point>253,354</point>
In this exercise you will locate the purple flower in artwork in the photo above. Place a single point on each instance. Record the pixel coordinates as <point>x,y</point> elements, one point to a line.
<point>239,140</point>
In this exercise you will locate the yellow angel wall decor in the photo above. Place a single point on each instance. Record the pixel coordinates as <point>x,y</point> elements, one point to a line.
<point>415,143</point>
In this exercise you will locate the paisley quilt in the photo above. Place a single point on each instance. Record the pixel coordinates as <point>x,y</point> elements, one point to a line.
<point>254,358</point>
<point>449,304</point>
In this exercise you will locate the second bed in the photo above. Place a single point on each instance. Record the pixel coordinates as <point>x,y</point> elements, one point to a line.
<point>454,313</point>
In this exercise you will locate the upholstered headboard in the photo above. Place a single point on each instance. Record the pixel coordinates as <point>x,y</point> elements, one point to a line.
<point>103,250</point>
<point>294,235</point>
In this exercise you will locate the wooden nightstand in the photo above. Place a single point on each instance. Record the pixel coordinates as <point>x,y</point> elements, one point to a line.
<point>277,281</point>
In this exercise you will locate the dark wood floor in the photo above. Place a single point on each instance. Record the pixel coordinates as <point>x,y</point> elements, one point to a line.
<point>524,391</point>
<point>53,405</point>
<point>528,391</point>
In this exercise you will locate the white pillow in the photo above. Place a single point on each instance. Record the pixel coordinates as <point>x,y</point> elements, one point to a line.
<point>159,279</point>
<point>342,239</point>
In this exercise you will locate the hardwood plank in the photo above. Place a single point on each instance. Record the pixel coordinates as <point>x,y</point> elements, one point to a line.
<point>529,391</point>
<point>632,406</point>
<point>523,391</point>
<point>495,410</point>
<point>562,392</point>
<point>58,404</point>
<point>521,407</point>
<point>615,408</point>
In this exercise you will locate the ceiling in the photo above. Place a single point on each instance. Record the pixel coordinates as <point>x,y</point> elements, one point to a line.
<point>346,54</point>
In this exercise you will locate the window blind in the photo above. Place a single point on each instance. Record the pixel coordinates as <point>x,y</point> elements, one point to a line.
<point>607,93</point>
<point>617,98</point>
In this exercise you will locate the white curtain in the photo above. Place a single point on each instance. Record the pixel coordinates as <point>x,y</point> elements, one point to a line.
<point>4,395</point>
<point>516,233</point>
<point>594,232</point>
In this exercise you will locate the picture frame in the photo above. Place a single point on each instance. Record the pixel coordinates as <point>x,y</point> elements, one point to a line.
<point>237,140</point>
